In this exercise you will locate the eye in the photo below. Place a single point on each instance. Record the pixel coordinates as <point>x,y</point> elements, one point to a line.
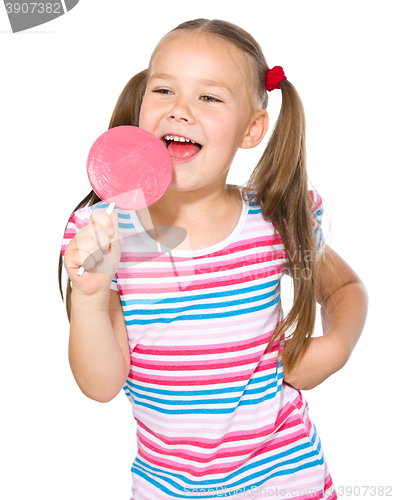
<point>208,98</point>
<point>161,91</point>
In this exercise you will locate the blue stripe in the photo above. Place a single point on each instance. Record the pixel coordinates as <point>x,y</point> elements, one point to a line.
<point>207,296</point>
<point>319,212</point>
<point>205,392</point>
<point>140,466</point>
<point>212,411</point>
<point>180,402</point>
<point>263,461</point>
<point>223,490</point>
<point>194,307</point>
<point>125,226</point>
<point>122,225</point>
<point>192,317</point>
<point>123,216</point>
<point>100,205</point>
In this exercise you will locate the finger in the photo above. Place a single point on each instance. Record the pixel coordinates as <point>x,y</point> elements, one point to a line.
<point>79,257</point>
<point>89,251</point>
<point>114,234</point>
<point>114,238</point>
<point>87,260</point>
<point>102,218</point>
<point>101,236</point>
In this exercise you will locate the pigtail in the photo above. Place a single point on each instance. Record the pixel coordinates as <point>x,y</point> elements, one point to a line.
<point>280,179</point>
<point>128,106</point>
<point>126,112</point>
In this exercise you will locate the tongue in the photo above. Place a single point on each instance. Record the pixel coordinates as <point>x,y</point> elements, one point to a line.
<point>182,150</point>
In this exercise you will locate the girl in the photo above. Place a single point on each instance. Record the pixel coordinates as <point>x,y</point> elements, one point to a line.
<point>212,369</point>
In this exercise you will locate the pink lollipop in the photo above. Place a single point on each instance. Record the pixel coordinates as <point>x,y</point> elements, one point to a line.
<point>128,167</point>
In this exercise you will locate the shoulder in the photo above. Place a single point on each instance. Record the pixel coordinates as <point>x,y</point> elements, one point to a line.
<point>79,219</point>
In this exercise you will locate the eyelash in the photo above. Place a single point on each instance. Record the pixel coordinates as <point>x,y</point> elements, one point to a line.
<point>211,99</point>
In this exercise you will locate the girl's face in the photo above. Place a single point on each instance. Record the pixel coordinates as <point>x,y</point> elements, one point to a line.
<point>198,91</point>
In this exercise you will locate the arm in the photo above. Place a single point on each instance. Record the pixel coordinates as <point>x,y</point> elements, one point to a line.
<point>344,303</point>
<point>98,347</point>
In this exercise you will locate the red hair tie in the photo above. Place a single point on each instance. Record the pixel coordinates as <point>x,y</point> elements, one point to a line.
<point>273,78</point>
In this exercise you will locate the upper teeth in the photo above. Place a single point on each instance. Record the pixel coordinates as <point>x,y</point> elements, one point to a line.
<point>176,138</point>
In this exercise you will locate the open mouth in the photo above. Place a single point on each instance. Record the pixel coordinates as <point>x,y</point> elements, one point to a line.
<point>181,148</point>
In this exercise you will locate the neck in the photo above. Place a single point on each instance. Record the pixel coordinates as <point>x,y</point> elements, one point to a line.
<point>194,207</point>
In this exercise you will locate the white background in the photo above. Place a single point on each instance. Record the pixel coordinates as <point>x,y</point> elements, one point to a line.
<point>58,87</point>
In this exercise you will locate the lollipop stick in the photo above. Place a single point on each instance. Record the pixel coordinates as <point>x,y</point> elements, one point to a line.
<point>111,206</point>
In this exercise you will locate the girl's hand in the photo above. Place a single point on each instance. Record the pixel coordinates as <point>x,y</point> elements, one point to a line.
<point>323,358</point>
<point>97,248</point>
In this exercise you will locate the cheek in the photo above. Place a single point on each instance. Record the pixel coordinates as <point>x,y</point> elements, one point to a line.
<point>224,136</point>
<point>216,130</point>
<point>148,114</point>
<point>144,115</point>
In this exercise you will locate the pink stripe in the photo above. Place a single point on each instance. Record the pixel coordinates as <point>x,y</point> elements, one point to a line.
<point>181,381</point>
<point>69,234</point>
<point>255,242</point>
<point>136,272</point>
<point>195,365</point>
<point>235,451</point>
<point>284,421</point>
<point>204,349</point>
<point>225,265</point>
<point>316,200</point>
<point>198,471</point>
<point>190,469</point>
<point>246,244</point>
<point>258,242</point>
<point>80,221</point>
<point>242,246</point>
<point>312,481</point>
<point>152,492</point>
<point>202,284</point>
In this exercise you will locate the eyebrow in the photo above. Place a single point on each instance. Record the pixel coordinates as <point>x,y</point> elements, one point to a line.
<point>208,82</point>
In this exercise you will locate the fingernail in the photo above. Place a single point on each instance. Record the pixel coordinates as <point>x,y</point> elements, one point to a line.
<point>110,231</point>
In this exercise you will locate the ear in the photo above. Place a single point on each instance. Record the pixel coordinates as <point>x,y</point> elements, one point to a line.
<point>256,131</point>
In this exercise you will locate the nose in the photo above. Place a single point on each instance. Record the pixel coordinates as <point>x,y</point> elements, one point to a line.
<point>180,111</point>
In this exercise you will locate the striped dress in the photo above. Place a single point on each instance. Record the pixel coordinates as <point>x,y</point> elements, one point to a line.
<point>214,417</point>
